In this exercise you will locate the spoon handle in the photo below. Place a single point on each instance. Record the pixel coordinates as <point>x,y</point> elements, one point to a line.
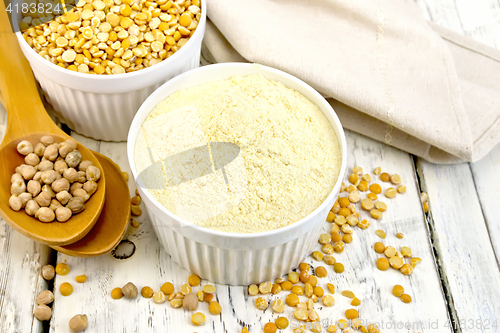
<point>25,111</point>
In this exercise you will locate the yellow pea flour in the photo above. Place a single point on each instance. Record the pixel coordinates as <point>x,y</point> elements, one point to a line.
<point>280,157</point>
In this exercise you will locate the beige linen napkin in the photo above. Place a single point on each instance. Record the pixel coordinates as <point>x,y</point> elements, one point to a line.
<point>389,74</point>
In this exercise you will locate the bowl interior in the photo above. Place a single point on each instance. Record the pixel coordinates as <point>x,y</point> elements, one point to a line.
<point>220,72</point>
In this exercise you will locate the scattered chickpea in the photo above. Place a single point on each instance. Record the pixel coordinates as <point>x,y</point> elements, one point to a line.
<point>43,312</point>
<point>190,302</point>
<point>45,297</point>
<point>198,318</point>
<point>62,268</point>
<point>355,301</point>
<point>339,247</point>
<point>130,290</point>
<point>331,288</point>
<point>400,235</point>
<point>401,189</point>
<point>372,196</point>
<point>48,272</point>
<point>66,289</point>
<point>78,323</point>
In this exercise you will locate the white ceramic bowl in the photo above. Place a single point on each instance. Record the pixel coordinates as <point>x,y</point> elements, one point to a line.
<point>103,106</point>
<point>232,258</point>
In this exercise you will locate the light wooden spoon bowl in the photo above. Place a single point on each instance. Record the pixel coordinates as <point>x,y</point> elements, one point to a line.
<point>28,120</point>
<point>112,223</point>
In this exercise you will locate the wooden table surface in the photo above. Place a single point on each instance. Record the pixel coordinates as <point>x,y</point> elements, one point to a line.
<point>456,288</point>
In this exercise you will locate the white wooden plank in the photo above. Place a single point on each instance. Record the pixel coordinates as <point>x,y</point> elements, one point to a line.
<point>20,280</point>
<point>151,266</point>
<point>404,214</point>
<point>477,19</point>
<point>463,244</point>
<point>486,174</point>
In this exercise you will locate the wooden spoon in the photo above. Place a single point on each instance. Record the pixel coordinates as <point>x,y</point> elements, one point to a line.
<point>28,120</point>
<point>114,218</point>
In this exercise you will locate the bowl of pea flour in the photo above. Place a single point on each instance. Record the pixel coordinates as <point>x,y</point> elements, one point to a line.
<point>238,163</point>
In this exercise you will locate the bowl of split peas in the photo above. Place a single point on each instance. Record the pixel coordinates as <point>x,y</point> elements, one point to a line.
<point>99,61</point>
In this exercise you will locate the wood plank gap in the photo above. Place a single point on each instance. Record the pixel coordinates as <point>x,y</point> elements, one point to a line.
<point>445,286</point>
<point>485,217</point>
